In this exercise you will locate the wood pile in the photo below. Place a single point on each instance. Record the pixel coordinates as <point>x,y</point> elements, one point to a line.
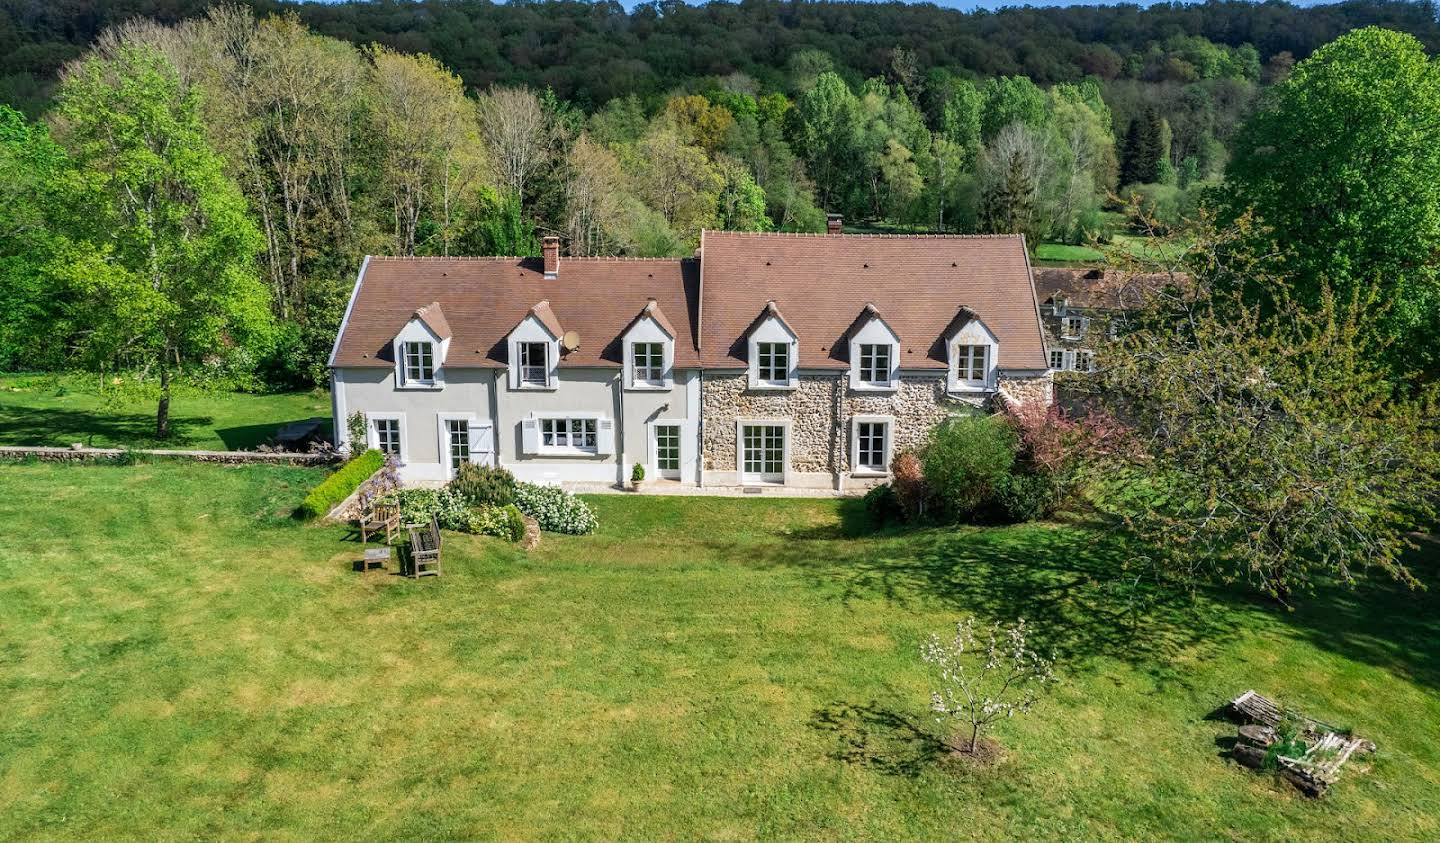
<point>1312,769</point>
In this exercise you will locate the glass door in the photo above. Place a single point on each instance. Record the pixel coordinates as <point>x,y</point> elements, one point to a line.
<point>762,453</point>
<point>458,436</point>
<point>667,450</point>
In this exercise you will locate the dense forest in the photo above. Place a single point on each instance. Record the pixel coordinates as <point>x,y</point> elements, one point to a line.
<point>294,138</point>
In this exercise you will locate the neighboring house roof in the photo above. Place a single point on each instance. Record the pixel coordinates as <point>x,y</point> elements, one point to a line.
<point>485,298</point>
<point>434,319</point>
<point>919,281</point>
<point>1101,289</point>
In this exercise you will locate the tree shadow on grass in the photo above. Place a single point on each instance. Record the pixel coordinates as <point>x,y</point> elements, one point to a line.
<point>57,426</point>
<point>877,737</point>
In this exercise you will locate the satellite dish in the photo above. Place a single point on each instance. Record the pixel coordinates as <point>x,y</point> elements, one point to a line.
<point>570,341</point>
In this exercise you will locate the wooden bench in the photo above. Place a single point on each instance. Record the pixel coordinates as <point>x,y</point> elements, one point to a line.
<point>425,549</point>
<point>380,516</point>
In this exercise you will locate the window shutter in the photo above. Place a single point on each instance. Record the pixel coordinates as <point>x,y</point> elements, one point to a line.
<point>605,436</point>
<point>753,363</point>
<point>512,357</point>
<point>481,442</point>
<point>530,435</point>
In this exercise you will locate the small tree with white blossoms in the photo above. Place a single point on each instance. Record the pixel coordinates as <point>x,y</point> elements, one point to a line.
<point>986,674</point>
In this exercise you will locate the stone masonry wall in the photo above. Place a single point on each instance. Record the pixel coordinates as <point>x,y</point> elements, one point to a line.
<point>817,444</point>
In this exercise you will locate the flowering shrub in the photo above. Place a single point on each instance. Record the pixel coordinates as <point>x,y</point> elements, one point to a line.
<point>555,509</point>
<point>985,677</point>
<point>418,506</point>
<point>908,480</point>
<point>1054,449</point>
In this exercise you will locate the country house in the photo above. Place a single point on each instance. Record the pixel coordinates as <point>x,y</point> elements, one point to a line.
<point>802,360</point>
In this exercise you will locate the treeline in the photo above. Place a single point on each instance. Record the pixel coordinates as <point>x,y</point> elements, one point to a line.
<point>590,53</point>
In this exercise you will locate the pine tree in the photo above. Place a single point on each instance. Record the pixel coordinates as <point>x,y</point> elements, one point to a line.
<point>1142,149</point>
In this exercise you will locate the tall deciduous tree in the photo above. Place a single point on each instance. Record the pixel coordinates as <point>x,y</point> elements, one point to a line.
<point>1343,165</point>
<point>520,136</point>
<point>171,278</point>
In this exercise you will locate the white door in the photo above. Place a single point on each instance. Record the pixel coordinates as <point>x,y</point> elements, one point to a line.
<point>667,450</point>
<point>762,453</point>
<point>457,442</point>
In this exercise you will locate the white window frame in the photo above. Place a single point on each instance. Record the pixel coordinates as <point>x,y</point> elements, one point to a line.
<point>1087,356</point>
<point>647,331</point>
<point>416,331</point>
<point>532,331</point>
<point>442,431</point>
<point>1061,366</point>
<point>647,368</point>
<point>887,448</point>
<point>526,368</point>
<point>974,333</point>
<point>874,333</point>
<point>1073,327</point>
<point>372,434</point>
<point>772,330</point>
<point>569,450</point>
<point>876,371</point>
<point>740,425</point>
<point>764,372</point>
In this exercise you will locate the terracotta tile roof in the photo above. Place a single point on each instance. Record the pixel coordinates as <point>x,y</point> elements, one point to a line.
<point>484,298</point>
<point>434,319</point>
<point>545,316</point>
<point>1101,289</point>
<point>822,282</point>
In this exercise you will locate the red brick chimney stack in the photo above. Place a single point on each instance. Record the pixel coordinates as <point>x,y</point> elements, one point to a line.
<point>550,248</point>
<point>834,224</point>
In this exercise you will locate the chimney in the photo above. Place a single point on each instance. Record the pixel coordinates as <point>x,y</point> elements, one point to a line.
<point>550,248</point>
<point>833,223</point>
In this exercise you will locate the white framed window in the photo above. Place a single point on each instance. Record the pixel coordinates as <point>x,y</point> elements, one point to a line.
<point>534,363</point>
<point>973,363</point>
<point>649,363</point>
<point>386,433</point>
<point>1057,359</point>
<point>457,443</point>
<point>875,364</point>
<point>578,434</point>
<point>1084,360</point>
<point>1073,327</point>
<point>419,362</point>
<point>772,364</point>
<point>870,444</point>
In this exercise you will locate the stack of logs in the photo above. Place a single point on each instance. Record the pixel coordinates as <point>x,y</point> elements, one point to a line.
<point>1318,766</point>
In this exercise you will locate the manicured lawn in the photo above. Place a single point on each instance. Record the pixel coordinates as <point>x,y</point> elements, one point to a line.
<point>1062,254</point>
<point>50,410</point>
<point>179,659</point>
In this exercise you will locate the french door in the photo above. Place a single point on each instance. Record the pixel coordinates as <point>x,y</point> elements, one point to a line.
<point>667,450</point>
<point>457,440</point>
<point>762,453</point>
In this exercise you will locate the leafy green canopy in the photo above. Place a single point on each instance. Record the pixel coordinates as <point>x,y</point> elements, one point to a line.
<point>1343,167</point>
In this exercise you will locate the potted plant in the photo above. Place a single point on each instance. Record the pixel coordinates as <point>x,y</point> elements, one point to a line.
<point>637,476</point>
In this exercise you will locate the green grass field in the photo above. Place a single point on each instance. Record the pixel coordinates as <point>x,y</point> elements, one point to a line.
<point>60,410</point>
<point>180,659</point>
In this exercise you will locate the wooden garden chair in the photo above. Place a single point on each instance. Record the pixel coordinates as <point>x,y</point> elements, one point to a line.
<point>380,516</point>
<point>425,550</point>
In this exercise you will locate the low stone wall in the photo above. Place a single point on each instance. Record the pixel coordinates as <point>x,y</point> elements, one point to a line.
<point>13,452</point>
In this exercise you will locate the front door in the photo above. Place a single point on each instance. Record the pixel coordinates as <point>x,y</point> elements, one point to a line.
<point>667,450</point>
<point>457,435</point>
<point>762,453</point>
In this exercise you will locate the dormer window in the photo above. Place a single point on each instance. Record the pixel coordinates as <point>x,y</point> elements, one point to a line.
<point>649,344</point>
<point>419,350</point>
<point>772,349</point>
<point>534,364</point>
<point>773,363</point>
<point>420,363</point>
<point>534,349</point>
<point>973,363</point>
<point>973,353</point>
<point>874,352</point>
<point>1073,327</point>
<point>649,363</point>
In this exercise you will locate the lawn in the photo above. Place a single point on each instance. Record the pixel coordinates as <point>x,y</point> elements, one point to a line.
<point>1145,249</point>
<point>60,410</point>
<point>180,659</point>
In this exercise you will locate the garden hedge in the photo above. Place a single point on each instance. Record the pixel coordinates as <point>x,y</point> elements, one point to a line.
<point>337,487</point>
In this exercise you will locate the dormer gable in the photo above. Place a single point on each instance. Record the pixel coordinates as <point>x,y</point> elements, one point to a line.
<point>972,353</point>
<point>649,349</point>
<point>420,348</point>
<point>533,349</point>
<point>874,350</point>
<point>772,350</point>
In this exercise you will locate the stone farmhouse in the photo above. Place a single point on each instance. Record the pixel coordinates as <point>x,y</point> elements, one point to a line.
<point>1081,308</point>
<point>787,359</point>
